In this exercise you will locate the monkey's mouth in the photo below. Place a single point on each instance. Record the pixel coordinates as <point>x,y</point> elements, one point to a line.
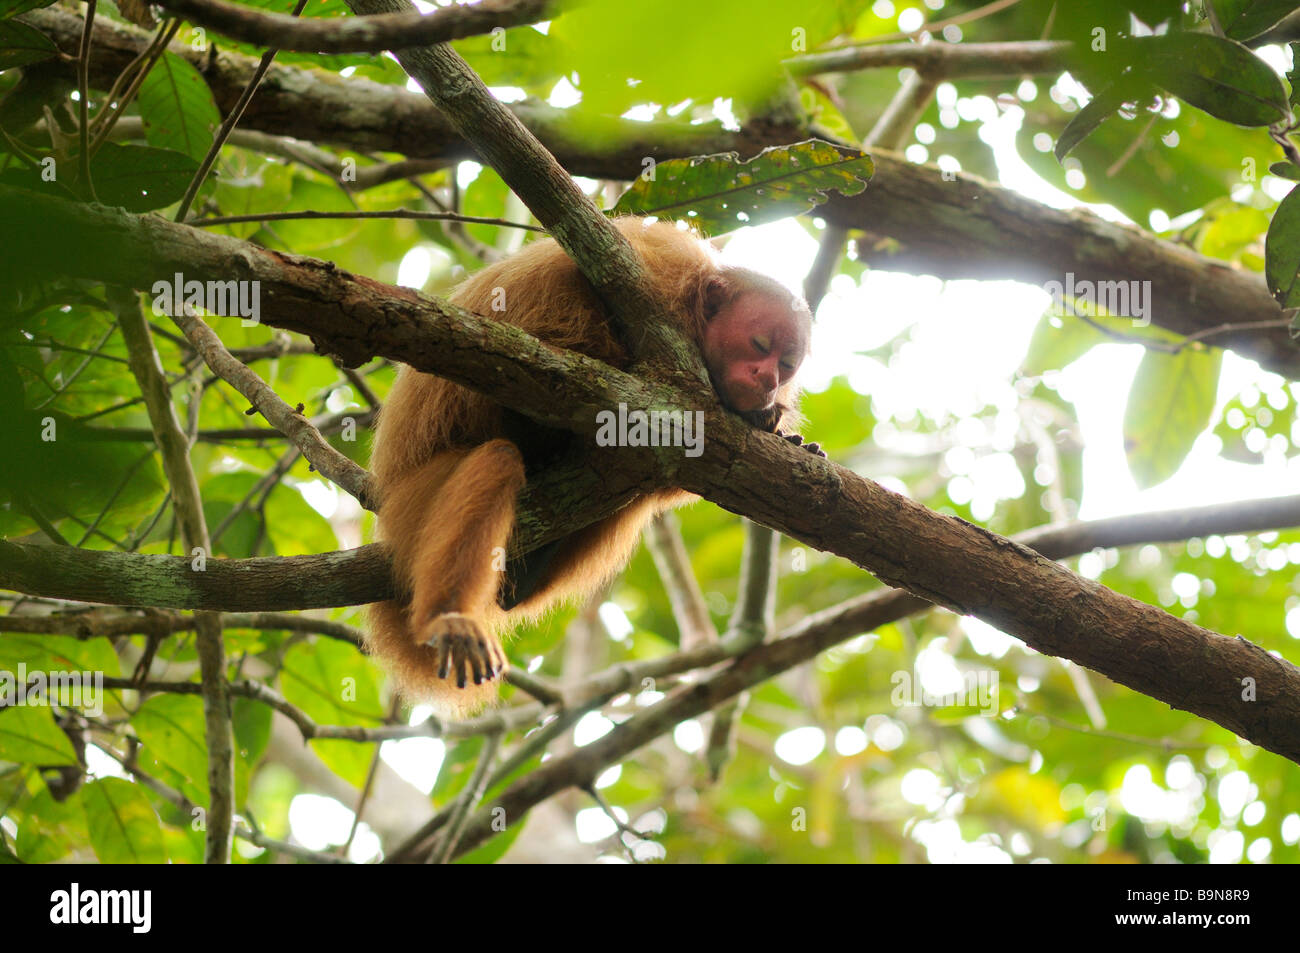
<point>747,399</point>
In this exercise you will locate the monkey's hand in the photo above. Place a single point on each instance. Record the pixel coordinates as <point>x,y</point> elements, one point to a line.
<point>797,440</point>
<point>463,650</point>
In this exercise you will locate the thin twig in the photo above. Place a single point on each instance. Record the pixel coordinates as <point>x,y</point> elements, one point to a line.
<point>468,800</point>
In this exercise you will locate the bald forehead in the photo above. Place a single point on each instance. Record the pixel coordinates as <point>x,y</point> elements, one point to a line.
<point>778,314</point>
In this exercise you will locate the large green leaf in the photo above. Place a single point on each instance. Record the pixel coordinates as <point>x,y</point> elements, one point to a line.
<point>1282,252</point>
<point>622,54</point>
<point>720,193</point>
<point>1142,162</point>
<point>177,107</point>
<point>48,829</point>
<point>335,685</point>
<point>28,735</point>
<point>172,729</point>
<point>1245,19</point>
<point>1060,339</point>
<point>123,826</point>
<point>140,178</point>
<point>21,44</point>
<point>1169,406</point>
<point>1217,75</point>
<point>11,8</point>
<point>1097,110</point>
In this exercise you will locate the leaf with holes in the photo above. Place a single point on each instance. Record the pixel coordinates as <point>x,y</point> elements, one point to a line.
<point>720,193</point>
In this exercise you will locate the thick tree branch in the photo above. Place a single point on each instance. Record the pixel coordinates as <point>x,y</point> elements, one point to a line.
<point>362,35</point>
<point>969,228</point>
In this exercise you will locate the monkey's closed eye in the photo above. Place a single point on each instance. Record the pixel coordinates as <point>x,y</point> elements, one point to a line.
<point>759,346</point>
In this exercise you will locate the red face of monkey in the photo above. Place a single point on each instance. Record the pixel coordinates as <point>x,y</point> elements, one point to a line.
<point>752,347</point>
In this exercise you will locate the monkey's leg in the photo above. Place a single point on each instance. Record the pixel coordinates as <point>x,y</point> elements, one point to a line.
<point>454,578</point>
<point>525,573</point>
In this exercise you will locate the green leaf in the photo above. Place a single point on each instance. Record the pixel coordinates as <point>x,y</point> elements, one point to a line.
<point>124,828</point>
<point>335,685</point>
<point>720,193</point>
<point>1058,342</point>
<point>49,653</point>
<point>1169,406</point>
<point>1246,19</point>
<point>1219,76</point>
<point>50,829</point>
<point>1175,164</point>
<point>520,57</point>
<point>172,729</point>
<point>1282,251</point>
<point>28,735</point>
<point>1293,75</point>
<point>21,44</point>
<point>622,54</point>
<point>1285,170</point>
<point>496,847</point>
<point>824,116</point>
<point>1100,108</point>
<point>11,8</point>
<point>1232,230</point>
<point>1061,337</point>
<point>177,107</point>
<point>140,178</point>
<point>252,722</point>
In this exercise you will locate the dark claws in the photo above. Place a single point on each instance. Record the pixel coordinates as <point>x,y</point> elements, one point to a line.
<point>797,440</point>
<point>464,652</point>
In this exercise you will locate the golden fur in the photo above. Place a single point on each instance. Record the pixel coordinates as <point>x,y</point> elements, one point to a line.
<point>448,480</point>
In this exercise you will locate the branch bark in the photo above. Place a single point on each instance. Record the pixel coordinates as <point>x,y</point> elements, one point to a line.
<point>939,61</point>
<point>369,35</point>
<point>188,506</point>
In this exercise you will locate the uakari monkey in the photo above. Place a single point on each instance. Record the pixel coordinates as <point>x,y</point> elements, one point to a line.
<point>448,462</point>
